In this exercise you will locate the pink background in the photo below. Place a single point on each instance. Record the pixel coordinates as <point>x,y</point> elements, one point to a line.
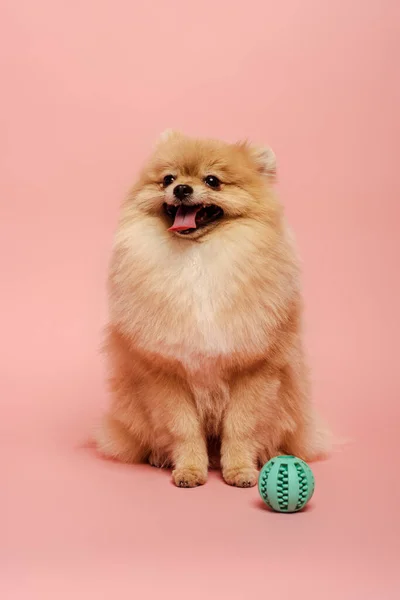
<point>86,87</point>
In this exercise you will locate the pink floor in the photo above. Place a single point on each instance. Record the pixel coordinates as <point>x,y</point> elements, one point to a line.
<point>86,87</point>
<point>78,527</point>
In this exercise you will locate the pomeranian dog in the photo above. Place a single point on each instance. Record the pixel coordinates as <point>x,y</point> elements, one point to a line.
<point>204,341</point>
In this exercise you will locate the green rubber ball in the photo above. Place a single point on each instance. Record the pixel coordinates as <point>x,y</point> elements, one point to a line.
<point>286,484</point>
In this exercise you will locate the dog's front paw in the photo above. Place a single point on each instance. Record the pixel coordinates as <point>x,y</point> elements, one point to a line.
<point>188,477</point>
<point>241,477</point>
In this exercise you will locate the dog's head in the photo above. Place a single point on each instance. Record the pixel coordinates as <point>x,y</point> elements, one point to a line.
<point>196,185</point>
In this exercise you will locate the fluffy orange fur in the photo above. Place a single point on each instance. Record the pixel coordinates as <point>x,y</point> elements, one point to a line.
<point>204,342</point>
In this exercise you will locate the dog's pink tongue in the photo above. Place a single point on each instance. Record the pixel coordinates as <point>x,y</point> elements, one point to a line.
<point>185,218</point>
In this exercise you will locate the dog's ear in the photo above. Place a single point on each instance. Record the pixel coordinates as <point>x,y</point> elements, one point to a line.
<point>265,160</point>
<point>168,135</point>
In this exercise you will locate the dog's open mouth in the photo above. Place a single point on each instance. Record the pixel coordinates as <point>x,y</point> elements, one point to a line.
<point>187,219</point>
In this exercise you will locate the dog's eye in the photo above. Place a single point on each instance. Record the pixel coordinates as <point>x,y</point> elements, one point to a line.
<point>212,182</point>
<point>168,179</point>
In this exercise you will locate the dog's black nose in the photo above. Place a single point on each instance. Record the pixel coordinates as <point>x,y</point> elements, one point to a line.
<point>182,191</point>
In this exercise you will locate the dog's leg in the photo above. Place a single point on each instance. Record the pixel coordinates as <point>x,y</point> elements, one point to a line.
<point>114,440</point>
<point>189,451</point>
<point>248,420</point>
<point>308,440</point>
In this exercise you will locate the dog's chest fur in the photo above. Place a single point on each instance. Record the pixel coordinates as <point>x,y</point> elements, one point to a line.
<point>198,304</point>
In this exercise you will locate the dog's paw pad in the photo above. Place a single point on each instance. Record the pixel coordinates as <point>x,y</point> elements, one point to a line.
<point>189,478</point>
<point>244,478</point>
